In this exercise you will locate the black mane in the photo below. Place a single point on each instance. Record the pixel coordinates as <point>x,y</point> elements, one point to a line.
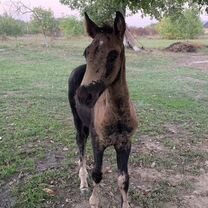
<point>107,29</point>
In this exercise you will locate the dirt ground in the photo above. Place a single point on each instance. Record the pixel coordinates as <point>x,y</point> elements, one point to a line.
<point>144,180</point>
<point>197,61</point>
<point>182,47</point>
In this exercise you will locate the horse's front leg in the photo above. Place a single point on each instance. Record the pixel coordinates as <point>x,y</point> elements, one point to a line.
<point>122,154</point>
<point>96,174</point>
<point>82,134</point>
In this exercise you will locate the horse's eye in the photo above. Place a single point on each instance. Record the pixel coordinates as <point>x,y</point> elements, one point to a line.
<point>86,52</point>
<point>112,56</point>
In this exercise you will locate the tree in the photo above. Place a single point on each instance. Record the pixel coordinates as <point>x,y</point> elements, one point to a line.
<point>10,27</point>
<point>154,8</point>
<point>42,19</point>
<point>103,11</point>
<point>71,26</point>
<point>185,26</point>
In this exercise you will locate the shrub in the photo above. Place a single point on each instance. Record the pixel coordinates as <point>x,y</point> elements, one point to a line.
<point>184,26</point>
<point>10,26</point>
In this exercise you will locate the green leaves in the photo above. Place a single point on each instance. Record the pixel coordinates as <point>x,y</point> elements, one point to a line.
<point>71,26</point>
<point>43,21</point>
<point>10,26</point>
<point>102,11</point>
<point>185,26</point>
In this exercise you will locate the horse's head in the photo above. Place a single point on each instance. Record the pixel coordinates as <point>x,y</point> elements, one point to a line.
<point>104,57</point>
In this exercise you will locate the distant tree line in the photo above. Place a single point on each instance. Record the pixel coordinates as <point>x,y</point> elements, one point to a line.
<point>11,27</point>
<point>42,21</point>
<point>183,26</point>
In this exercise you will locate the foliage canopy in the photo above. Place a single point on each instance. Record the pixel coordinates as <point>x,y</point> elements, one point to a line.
<point>71,26</point>
<point>43,21</point>
<point>10,27</point>
<point>185,26</point>
<point>103,10</point>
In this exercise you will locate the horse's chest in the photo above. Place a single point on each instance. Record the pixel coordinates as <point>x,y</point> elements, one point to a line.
<point>115,133</point>
<point>114,126</point>
<point>119,128</point>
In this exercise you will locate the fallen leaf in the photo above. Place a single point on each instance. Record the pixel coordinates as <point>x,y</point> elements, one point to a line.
<point>50,192</point>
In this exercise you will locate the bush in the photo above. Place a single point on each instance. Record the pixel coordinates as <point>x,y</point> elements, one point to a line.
<point>71,27</point>
<point>147,31</point>
<point>184,26</point>
<point>10,26</point>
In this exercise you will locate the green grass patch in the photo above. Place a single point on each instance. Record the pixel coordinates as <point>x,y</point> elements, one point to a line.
<point>35,120</point>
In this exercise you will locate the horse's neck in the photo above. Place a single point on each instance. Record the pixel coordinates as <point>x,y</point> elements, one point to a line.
<point>119,88</point>
<point>117,93</point>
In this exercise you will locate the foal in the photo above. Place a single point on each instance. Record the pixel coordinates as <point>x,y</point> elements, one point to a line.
<point>99,99</point>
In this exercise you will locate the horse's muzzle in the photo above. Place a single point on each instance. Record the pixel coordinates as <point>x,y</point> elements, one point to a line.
<point>88,95</point>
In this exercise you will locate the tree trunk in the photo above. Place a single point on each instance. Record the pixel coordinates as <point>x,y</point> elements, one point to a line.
<point>129,40</point>
<point>46,44</point>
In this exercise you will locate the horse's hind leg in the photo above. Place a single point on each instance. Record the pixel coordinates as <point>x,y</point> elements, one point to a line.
<point>82,131</point>
<point>81,139</point>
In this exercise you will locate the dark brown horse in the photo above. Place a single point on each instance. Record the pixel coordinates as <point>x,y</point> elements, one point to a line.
<point>99,99</point>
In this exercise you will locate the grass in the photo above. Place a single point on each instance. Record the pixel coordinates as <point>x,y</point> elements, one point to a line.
<point>36,123</point>
<point>163,43</point>
<point>160,193</point>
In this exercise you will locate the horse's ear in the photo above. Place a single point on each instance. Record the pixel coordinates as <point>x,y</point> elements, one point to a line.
<point>91,28</point>
<point>119,25</point>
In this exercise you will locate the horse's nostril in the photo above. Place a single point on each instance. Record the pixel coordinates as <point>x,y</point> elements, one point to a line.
<point>88,95</point>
